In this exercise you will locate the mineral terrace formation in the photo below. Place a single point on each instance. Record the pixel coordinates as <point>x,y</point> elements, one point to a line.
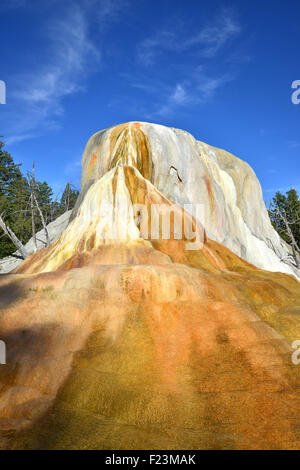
<point>119,340</point>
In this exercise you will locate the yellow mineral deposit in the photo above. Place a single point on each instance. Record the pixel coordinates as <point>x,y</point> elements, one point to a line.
<point>129,342</point>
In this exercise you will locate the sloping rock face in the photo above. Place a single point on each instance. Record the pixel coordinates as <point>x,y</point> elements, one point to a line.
<point>188,171</point>
<point>9,263</point>
<point>119,337</point>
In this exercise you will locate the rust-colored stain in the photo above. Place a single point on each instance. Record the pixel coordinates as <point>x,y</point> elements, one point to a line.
<point>211,197</point>
<point>114,184</point>
<point>92,166</point>
<point>114,135</point>
<point>155,353</point>
<point>129,141</point>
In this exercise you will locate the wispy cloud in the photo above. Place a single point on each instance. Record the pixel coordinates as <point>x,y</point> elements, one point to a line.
<point>61,75</point>
<point>178,96</point>
<point>215,35</point>
<point>198,88</point>
<point>293,144</point>
<point>40,93</point>
<point>15,139</point>
<point>211,38</point>
<point>195,81</point>
<point>150,48</point>
<point>208,86</point>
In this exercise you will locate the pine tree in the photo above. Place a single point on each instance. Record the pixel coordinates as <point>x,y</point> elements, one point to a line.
<point>68,198</point>
<point>15,203</point>
<point>285,217</point>
<point>26,205</point>
<point>13,193</point>
<point>44,195</point>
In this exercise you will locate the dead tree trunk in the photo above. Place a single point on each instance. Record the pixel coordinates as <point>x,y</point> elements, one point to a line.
<point>68,196</point>
<point>295,247</point>
<point>43,221</point>
<point>31,183</point>
<point>33,224</point>
<point>18,244</point>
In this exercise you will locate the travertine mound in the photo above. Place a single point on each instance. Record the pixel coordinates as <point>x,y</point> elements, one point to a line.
<point>139,343</point>
<point>188,171</point>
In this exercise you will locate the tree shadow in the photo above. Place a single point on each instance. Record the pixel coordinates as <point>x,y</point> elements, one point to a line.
<point>9,293</point>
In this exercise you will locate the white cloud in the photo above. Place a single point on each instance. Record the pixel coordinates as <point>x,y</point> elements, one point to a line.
<point>180,95</point>
<point>39,95</point>
<point>215,35</point>
<point>177,97</point>
<point>293,144</point>
<point>194,91</point>
<point>150,48</point>
<point>61,76</point>
<point>209,40</point>
<point>195,83</point>
<point>208,86</point>
<point>15,139</point>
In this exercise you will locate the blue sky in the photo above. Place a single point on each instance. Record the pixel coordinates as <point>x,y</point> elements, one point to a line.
<point>220,70</point>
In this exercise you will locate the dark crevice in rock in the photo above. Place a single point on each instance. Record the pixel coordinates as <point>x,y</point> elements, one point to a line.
<point>173,168</point>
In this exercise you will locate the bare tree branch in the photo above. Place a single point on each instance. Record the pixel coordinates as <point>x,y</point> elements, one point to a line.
<point>31,184</point>
<point>43,220</point>
<point>294,244</point>
<point>18,244</point>
<point>42,241</point>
